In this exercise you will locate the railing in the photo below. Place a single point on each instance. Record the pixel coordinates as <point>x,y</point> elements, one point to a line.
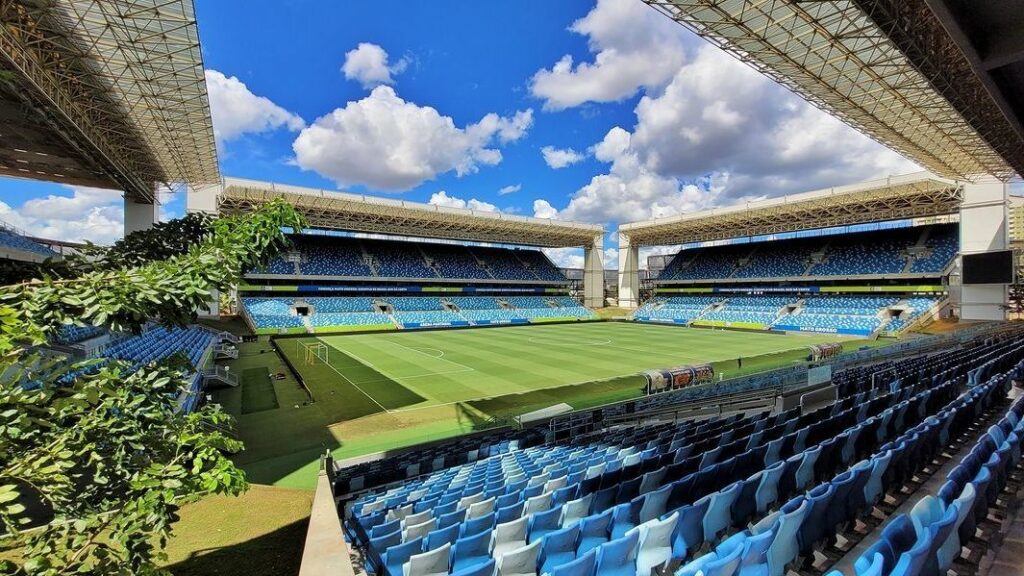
<point>221,373</point>
<point>226,351</point>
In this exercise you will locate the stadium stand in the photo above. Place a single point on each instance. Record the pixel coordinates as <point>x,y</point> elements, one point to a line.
<point>72,334</point>
<point>749,309</point>
<point>853,314</point>
<point>278,313</point>
<point>154,344</point>
<point>918,250</point>
<point>763,493</point>
<point>10,238</point>
<point>339,256</point>
<point>330,257</point>
<point>680,309</point>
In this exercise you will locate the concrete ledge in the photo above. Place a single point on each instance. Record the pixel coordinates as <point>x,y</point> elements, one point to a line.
<point>325,552</point>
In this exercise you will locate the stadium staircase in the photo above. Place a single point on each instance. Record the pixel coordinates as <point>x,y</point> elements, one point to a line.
<point>220,375</point>
<point>526,265</point>
<point>295,258</point>
<point>368,259</point>
<point>480,262</point>
<point>308,323</point>
<point>743,261</point>
<point>816,258</point>
<point>224,351</point>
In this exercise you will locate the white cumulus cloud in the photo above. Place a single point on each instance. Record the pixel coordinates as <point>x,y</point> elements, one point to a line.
<point>389,144</point>
<point>634,46</point>
<point>510,189</point>
<point>565,257</point>
<point>92,214</point>
<point>443,199</point>
<point>236,110</point>
<point>368,65</point>
<point>561,157</point>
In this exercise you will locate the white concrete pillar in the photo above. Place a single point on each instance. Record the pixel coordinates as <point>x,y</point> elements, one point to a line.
<point>593,273</point>
<point>629,274</point>
<point>139,215</point>
<point>202,198</point>
<point>983,228</point>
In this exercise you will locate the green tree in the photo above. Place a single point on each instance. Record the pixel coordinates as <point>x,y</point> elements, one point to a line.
<point>96,460</point>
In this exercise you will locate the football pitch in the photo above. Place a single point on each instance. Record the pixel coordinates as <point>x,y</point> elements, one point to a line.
<point>397,372</point>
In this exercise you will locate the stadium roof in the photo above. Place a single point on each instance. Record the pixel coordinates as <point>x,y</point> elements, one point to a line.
<point>103,93</point>
<point>910,196</point>
<point>356,213</point>
<point>940,81</point>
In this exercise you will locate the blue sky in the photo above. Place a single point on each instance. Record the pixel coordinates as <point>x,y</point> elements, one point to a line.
<point>457,102</point>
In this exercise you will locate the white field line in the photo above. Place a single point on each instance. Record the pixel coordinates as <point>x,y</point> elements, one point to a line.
<point>441,357</point>
<point>394,378</point>
<point>356,386</point>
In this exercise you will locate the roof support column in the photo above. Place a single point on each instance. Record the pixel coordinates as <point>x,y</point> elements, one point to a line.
<point>593,273</point>
<point>629,275</point>
<point>139,214</point>
<point>983,227</point>
<point>203,198</point>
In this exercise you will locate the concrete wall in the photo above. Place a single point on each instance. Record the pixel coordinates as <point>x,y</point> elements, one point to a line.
<point>983,228</point>
<point>139,215</point>
<point>593,274</point>
<point>325,552</point>
<point>629,273</point>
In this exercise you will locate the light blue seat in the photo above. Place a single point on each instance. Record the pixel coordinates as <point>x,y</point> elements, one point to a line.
<point>482,569</point>
<point>805,472</point>
<point>509,513</point>
<point>544,522</point>
<point>441,536</point>
<point>654,503</point>
<point>784,549</point>
<point>385,528</point>
<point>768,490</point>
<point>594,531</point>
<point>697,565</point>
<point>689,533</point>
<point>655,546</point>
<point>583,565</point>
<point>873,569</point>
<point>471,551</point>
<point>382,543</point>
<point>396,556</point>
<point>477,525</point>
<point>949,550</point>
<point>873,487</point>
<point>939,532</point>
<point>618,557</point>
<point>926,512</point>
<point>911,562</point>
<point>559,547</point>
<point>718,518</point>
<point>726,561</point>
<point>754,561</point>
<point>451,519</point>
<point>625,517</point>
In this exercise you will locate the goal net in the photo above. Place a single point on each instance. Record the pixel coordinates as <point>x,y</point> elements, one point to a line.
<point>316,352</point>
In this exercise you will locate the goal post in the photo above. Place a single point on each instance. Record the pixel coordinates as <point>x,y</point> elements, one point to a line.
<point>316,351</point>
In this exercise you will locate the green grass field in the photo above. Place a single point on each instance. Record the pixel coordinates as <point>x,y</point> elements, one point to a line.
<point>410,371</point>
<point>380,392</point>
